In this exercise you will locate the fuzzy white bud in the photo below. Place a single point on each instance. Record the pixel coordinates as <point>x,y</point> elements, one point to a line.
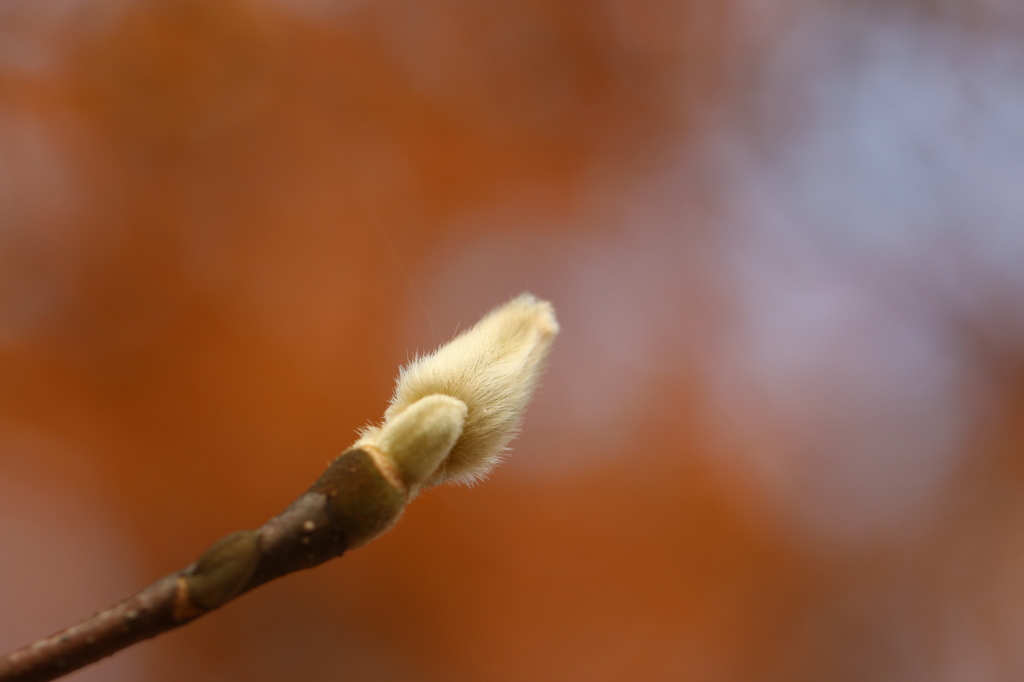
<point>492,368</point>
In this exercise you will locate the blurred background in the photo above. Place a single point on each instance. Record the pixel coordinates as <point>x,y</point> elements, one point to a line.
<point>781,437</point>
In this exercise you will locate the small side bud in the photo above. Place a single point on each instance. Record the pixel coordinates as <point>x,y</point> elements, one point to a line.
<point>223,569</point>
<point>419,439</point>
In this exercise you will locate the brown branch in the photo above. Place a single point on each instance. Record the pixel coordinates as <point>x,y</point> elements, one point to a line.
<point>452,415</point>
<point>356,499</point>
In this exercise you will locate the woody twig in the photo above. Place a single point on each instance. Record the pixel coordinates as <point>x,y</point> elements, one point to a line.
<point>451,418</point>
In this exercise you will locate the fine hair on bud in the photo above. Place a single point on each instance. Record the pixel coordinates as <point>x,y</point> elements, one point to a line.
<point>493,368</point>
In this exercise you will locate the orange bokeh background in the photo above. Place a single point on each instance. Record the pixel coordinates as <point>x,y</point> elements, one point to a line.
<point>781,433</point>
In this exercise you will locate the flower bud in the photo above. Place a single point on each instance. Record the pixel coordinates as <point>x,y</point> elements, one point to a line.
<point>492,368</point>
